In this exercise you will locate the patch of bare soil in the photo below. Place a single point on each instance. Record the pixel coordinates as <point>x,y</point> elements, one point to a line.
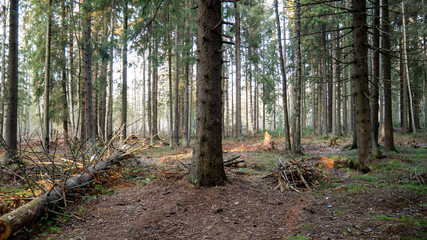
<point>241,209</point>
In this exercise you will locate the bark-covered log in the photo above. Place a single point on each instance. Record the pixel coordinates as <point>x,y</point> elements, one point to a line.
<point>31,211</point>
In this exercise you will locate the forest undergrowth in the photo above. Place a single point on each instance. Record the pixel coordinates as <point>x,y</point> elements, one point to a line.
<point>148,196</point>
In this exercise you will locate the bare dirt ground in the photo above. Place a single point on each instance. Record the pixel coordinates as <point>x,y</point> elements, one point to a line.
<point>154,200</point>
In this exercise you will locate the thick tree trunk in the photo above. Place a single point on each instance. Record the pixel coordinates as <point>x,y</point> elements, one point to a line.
<point>87,64</point>
<point>361,87</point>
<point>207,167</point>
<point>284,82</point>
<point>124,72</point>
<point>46,104</point>
<point>12,83</point>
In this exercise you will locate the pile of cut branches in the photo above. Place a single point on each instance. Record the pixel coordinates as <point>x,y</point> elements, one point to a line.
<point>297,176</point>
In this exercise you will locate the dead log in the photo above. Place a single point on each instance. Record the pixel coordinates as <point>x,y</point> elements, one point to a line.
<point>233,163</point>
<point>232,158</point>
<point>30,212</point>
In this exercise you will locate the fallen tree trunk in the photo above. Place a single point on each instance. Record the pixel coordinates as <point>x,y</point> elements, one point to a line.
<point>30,212</point>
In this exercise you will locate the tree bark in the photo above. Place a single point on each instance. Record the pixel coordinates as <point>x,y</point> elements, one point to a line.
<point>12,83</point>
<point>408,83</point>
<point>176,104</point>
<point>284,82</point>
<point>207,167</point>
<point>46,104</point>
<point>109,134</point>
<point>124,76</point>
<point>298,80</point>
<point>87,65</point>
<point>238,126</point>
<point>3,70</point>
<point>361,87</point>
<point>187,92</point>
<point>325,125</point>
<point>376,74</point>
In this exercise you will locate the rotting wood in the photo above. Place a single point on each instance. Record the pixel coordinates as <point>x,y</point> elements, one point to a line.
<point>30,212</point>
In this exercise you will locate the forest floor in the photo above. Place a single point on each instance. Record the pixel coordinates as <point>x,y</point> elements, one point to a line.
<point>150,197</point>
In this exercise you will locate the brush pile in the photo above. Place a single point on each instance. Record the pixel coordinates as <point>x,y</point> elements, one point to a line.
<point>298,176</point>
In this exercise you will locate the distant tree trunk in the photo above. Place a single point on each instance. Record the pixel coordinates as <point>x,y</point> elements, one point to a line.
<point>65,114</point>
<point>298,80</point>
<point>338,88</point>
<point>144,99</point>
<point>344,108</point>
<point>238,126</point>
<point>87,64</point>
<point>149,102</point>
<point>187,93</point>
<point>284,82</point>
<point>3,70</point>
<point>408,83</point>
<point>335,82</point>
<point>376,74</point>
<point>103,82</point>
<point>12,83</point>
<point>361,87</point>
<point>176,106</point>
<point>251,103</point>
<point>386,55</point>
<point>154,129</point>
<point>109,133</point>
<point>124,76</point>
<point>71,70</point>
<point>313,100</point>
<point>171,132</point>
<point>207,167</point>
<point>46,104</point>
<point>95,85</point>
<point>325,125</point>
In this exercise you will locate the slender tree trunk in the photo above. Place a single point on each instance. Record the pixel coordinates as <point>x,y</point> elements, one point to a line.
<point>207,167</point>
<point>376,74</point>
<point>144,99</point>
<point>187,93</point>
<point>3,70</point>
<point>103,82</point>
<point>176,120</point>
<point>238,126</point>
<point>298,80</point>
<point>284,82</point>
<point>338,83</point>
<point>325,125</point>
<point>149,102</point>
<point>405,54</point>
<point>124,76</point>
<point>71,70</point>
<point>154,129</point>
<point>361,83</point>
<point>65,114</point>
<point>46,104</point>
<point>109,133</point>
<point>12,83</point>
<point>334,83</point>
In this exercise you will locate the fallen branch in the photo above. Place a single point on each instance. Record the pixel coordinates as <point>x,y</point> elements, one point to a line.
<point>30,212</point>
